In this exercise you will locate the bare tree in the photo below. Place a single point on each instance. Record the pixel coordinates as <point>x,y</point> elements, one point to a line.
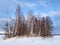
<point>17,26</point>
<point>42,27</point>
<point>8,30</point>
<point>48,27</point>
<point>35,26</point>
<point>30,23</point>
<point>20,26</point>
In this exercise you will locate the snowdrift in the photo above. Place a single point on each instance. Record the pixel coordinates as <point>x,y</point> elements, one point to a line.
<point>31,41</point>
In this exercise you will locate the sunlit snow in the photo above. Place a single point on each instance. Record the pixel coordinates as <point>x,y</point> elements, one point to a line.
<point>31,41</point>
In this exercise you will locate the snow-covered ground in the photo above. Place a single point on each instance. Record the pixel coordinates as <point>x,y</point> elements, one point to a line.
<point>31,41</point>
<point>2,36</point>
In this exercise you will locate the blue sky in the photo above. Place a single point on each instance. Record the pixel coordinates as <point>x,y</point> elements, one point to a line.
<point>43,7</point>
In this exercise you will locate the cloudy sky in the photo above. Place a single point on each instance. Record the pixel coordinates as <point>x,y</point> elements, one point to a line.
<point>42,7</point>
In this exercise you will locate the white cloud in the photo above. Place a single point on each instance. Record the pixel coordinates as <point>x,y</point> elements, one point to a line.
<point>24,4</point>
<point>40,14</point>
<point>49,13</point>
<point>43,14</point>
<point>5,19</point>
<point>30,4</point>
<point>43,3</point>
<point>54,13</point>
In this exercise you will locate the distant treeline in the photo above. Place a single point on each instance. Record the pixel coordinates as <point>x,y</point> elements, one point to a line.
<point>33,26</point>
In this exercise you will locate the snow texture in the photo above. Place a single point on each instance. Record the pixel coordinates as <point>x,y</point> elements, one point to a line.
<point>31,41</point>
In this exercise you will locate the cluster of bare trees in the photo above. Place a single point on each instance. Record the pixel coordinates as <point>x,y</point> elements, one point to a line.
<point>33,26</point>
